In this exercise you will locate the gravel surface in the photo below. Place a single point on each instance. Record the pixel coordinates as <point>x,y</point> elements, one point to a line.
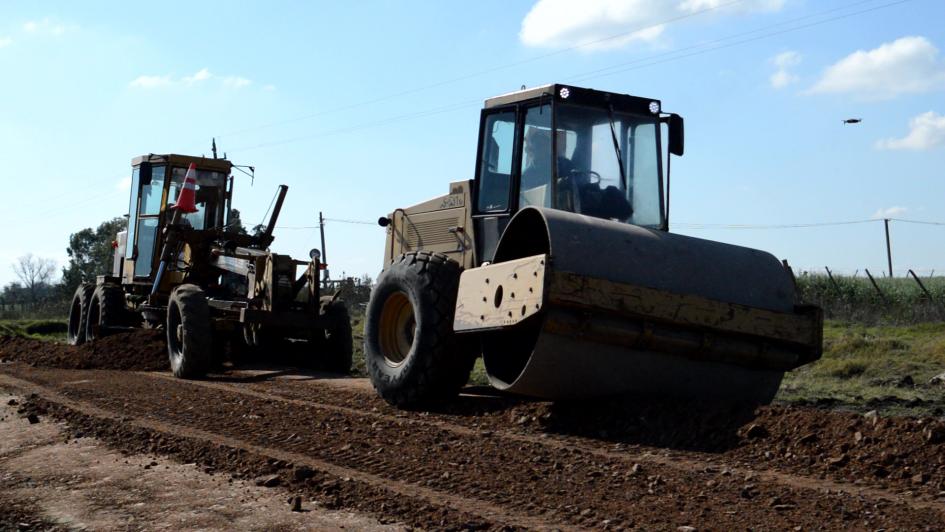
<point>486,462</point>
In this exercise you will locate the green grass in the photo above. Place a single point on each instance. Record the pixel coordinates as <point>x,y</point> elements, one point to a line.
<point>357,333</point>
<point>42,329</point>
<point>863,363</point>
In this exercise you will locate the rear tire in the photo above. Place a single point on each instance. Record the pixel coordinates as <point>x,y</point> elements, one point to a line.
<point>106,309</point>
<point>411,352</point>
<point>189,334</point>
<point>335,343</point>
<point>78,314</point>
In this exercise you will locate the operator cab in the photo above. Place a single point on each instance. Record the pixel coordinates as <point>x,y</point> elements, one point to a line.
<point>580,150</point>
<point>156,181</point>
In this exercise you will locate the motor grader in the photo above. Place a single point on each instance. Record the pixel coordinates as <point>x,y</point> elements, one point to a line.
<point>184,267</point>
<point>555,264</point>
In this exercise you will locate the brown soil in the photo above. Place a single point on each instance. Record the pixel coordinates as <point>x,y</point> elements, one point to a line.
<point>485,462</point>
<point>142,350</point>
<point>50,480</point>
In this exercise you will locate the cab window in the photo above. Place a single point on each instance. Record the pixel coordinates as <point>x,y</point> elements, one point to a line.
<point>152,192</point>
<point>535,187</point>
<point>133,213</point>
<point>495,166</point>
<point>210,186</point>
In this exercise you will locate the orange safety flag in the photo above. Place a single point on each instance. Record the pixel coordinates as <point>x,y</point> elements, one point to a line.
<point>185,200</point>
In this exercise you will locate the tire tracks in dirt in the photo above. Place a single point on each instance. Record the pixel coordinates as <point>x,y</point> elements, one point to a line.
<point>479,508</point>
<point>675,461</point>
<point>551,485</point>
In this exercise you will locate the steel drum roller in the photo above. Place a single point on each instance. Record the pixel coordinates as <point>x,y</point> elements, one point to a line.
<point>589,346</point>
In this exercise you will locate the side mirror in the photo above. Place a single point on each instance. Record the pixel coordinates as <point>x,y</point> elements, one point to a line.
<point>677,135</point>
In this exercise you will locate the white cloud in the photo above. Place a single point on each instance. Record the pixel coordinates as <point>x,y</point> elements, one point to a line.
<point>609,24</point>
<point>235,82</point>
<point>198,77</point>
<point>755,5</point>
<point>44,26</point>
<point>269,88</point>
<point>123,184</point>
<point>5,41</point>
<point>906,65</point>
<point>926,131</point>
<point>201,75</point>
<point>784,62</point>
<point>889,212</point>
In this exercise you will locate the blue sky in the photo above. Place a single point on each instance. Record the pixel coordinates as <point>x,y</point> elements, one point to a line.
<point>361,107</point>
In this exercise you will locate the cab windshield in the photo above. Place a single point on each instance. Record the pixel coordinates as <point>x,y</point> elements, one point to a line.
<point>209,192</point>
<point>593,146</point>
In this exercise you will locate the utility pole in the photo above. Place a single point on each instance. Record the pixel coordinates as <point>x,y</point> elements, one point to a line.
<point>888,248</point>
<point>321,229</point>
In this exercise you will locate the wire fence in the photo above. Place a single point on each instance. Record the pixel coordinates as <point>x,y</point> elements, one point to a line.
<point>871,299</point>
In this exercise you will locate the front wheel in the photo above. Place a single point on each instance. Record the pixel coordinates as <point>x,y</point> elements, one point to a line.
<point>189,334</point>
<point>78,314</point>
<point>411,352</point>
<point>106,310</point>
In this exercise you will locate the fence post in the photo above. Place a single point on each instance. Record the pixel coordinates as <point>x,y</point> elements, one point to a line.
<point>832,281</point>
<point>927,293</point>
<point>876,286</point>
<point>888,247</point>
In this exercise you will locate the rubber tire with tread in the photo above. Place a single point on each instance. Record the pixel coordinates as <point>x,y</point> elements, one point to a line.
<point>78,313</point>
<point>108,301</point>
<point>191,357</point>
<point>336,345</point>
<point>438,363</point>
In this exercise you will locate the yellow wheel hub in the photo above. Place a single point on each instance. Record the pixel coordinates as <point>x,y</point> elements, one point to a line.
<point>398,328</point>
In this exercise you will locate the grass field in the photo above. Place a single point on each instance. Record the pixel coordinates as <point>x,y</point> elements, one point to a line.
<point>874,368</point>
<point>42,329</point>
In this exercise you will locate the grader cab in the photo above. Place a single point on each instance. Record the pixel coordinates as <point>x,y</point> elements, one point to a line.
<point>556,265</point>
<point>183,266</point>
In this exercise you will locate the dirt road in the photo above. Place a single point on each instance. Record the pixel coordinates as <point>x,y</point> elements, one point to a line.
<point>485,462</point>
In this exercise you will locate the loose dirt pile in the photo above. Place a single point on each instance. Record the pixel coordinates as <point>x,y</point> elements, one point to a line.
<point>892,452</point>
<point>140,350</point>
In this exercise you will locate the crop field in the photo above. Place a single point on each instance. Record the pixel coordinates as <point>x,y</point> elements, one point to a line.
<point>898,300</point>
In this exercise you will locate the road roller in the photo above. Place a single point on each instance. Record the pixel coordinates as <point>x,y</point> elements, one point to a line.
<point>555,264</point>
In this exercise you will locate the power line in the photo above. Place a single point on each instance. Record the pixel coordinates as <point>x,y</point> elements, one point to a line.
<point>366,125</point>
<point>923,222</point>
<point>793,226</point>
<point>673,55</point>
<point>608,71</point>
<point>359,222</point>
<point>491,70</point>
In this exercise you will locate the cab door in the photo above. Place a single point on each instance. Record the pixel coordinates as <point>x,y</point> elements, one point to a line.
<point>496,174</point>
<point>144,221</point>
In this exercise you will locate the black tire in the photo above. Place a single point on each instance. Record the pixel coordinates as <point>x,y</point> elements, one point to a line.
<point>336,346</point>
<point>189,333</point>
<point>78,314</point>
<point>411,352</point>
<point>106,309</point>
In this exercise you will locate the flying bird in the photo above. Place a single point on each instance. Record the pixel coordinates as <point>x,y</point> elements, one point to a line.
<point>852,120</point>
